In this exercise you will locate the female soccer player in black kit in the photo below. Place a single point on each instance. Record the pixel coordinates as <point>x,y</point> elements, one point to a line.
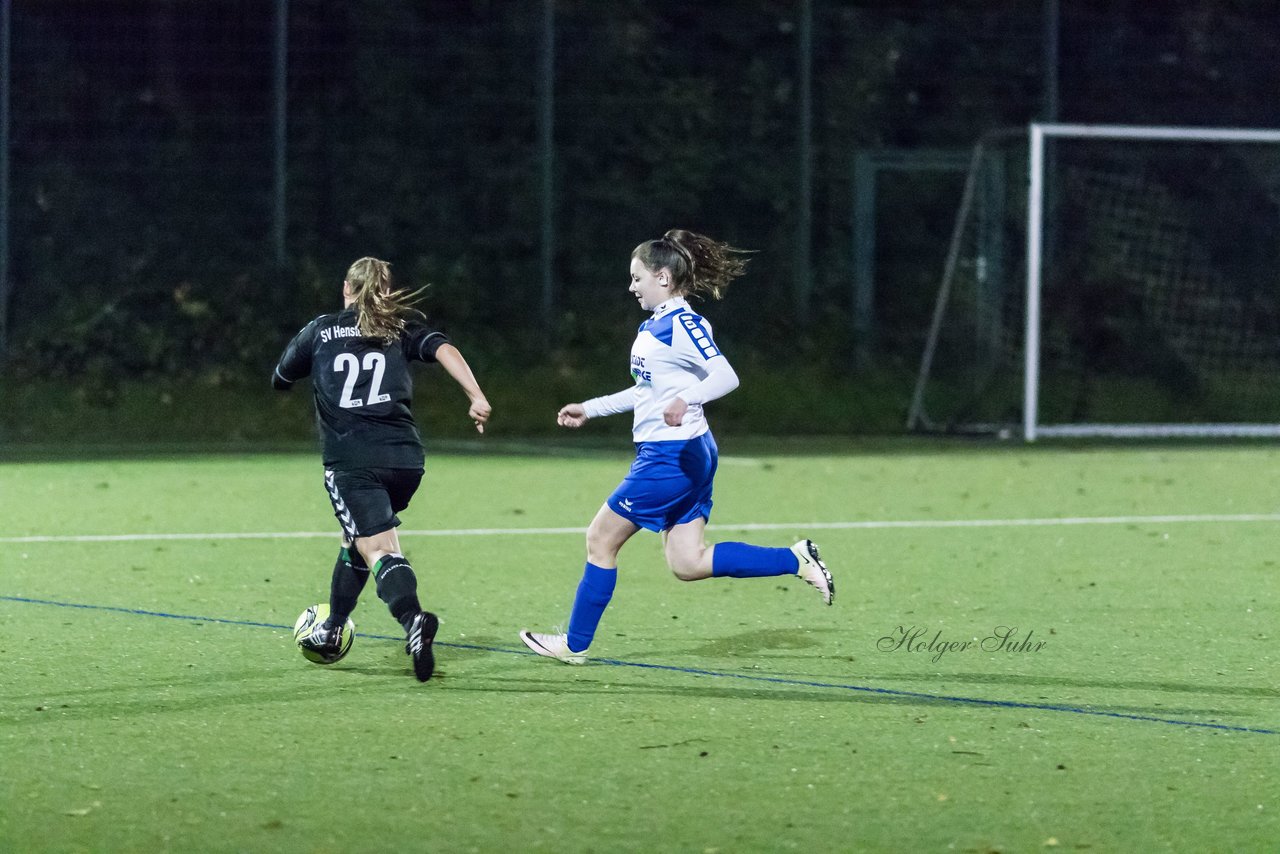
<point>358,360</point>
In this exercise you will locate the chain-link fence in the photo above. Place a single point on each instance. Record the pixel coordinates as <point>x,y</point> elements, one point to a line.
<point>188,179</point>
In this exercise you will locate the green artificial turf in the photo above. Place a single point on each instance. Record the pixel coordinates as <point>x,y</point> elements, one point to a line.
<point>153,700</point>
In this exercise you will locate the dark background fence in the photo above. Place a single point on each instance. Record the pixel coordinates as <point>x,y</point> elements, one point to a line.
<point>189,180</point>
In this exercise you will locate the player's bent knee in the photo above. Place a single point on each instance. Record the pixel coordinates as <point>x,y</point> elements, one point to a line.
<point>602,550</point>
<point>687,567</point>
<point>683,573</point>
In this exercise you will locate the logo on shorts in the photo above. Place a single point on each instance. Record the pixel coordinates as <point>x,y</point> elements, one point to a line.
<point>625,504</point>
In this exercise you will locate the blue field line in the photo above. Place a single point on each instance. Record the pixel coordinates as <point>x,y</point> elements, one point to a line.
<point>694,671</point>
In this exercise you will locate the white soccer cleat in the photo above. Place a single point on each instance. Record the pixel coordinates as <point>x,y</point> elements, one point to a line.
<point>813,570</point>
<point>552,646</point>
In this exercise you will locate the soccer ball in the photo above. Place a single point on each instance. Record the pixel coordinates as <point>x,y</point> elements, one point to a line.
<point>310,619</point>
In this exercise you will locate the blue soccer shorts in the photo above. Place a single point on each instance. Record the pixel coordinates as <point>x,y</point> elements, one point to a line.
<point>669,483</point>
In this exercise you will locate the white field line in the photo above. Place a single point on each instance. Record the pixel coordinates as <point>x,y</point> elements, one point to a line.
<point>870,524</point>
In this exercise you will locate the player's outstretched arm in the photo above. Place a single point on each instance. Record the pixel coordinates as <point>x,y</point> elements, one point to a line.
<point>451,358</point>
<point>577,414</point>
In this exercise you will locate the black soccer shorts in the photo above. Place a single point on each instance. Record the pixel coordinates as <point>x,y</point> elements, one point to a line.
<point>366,501</point>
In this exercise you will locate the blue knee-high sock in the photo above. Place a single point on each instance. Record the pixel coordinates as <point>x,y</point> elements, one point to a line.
<point>740,560</point>
<point>594,592</point>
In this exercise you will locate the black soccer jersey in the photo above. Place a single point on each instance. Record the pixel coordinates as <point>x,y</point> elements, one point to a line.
<point>363,390</point>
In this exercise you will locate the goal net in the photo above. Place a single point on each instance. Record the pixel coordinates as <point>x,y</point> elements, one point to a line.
<point>1110,280</point>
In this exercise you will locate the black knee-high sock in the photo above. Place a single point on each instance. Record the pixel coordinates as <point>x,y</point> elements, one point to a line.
<point>398,587</point>
<point>349,577</point>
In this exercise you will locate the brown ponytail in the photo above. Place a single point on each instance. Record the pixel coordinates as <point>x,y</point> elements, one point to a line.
<point>699,266</point>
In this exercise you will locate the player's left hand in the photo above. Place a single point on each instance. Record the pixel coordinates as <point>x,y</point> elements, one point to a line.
<point>673,415</point>
<point>479,412</point>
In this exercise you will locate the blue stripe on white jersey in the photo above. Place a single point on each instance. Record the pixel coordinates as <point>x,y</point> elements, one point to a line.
<point>670,355</point>
<point>701,335</point>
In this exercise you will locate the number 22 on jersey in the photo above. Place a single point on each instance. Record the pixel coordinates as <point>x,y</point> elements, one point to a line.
<point>350,365</point>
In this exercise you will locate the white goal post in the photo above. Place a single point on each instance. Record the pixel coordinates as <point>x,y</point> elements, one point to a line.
<point>1035,212</point>
<point>1114,281</point>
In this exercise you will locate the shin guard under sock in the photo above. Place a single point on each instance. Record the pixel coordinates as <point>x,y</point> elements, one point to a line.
<point>740,560</point>
<point>594,592</point>
<point>398,587</point>
<point>344,590</point>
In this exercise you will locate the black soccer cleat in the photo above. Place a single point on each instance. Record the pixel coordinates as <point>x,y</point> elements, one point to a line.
<point>422,635</point>
<point>324,643</point>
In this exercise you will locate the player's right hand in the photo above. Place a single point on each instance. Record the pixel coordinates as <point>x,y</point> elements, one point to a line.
<point>571,415</point>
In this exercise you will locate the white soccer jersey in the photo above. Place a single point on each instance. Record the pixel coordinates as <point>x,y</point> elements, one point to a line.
<point>673,356</point>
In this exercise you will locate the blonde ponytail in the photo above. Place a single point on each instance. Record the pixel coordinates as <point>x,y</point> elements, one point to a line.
<point>381,311</point>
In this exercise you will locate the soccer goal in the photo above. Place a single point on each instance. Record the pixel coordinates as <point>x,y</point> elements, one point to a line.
<point>1110,281</point>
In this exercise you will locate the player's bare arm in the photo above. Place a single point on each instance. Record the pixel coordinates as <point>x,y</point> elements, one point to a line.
<point>451,358</point>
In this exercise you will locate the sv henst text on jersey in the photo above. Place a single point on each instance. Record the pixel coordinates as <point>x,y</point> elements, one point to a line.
<point>339,332</point>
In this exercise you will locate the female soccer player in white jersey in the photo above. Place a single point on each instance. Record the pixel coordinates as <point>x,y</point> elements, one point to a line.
<point>358,360</point>
<point>677,369</point>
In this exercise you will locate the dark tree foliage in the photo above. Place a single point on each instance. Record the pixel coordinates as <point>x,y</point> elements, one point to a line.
<point>142,155</point>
